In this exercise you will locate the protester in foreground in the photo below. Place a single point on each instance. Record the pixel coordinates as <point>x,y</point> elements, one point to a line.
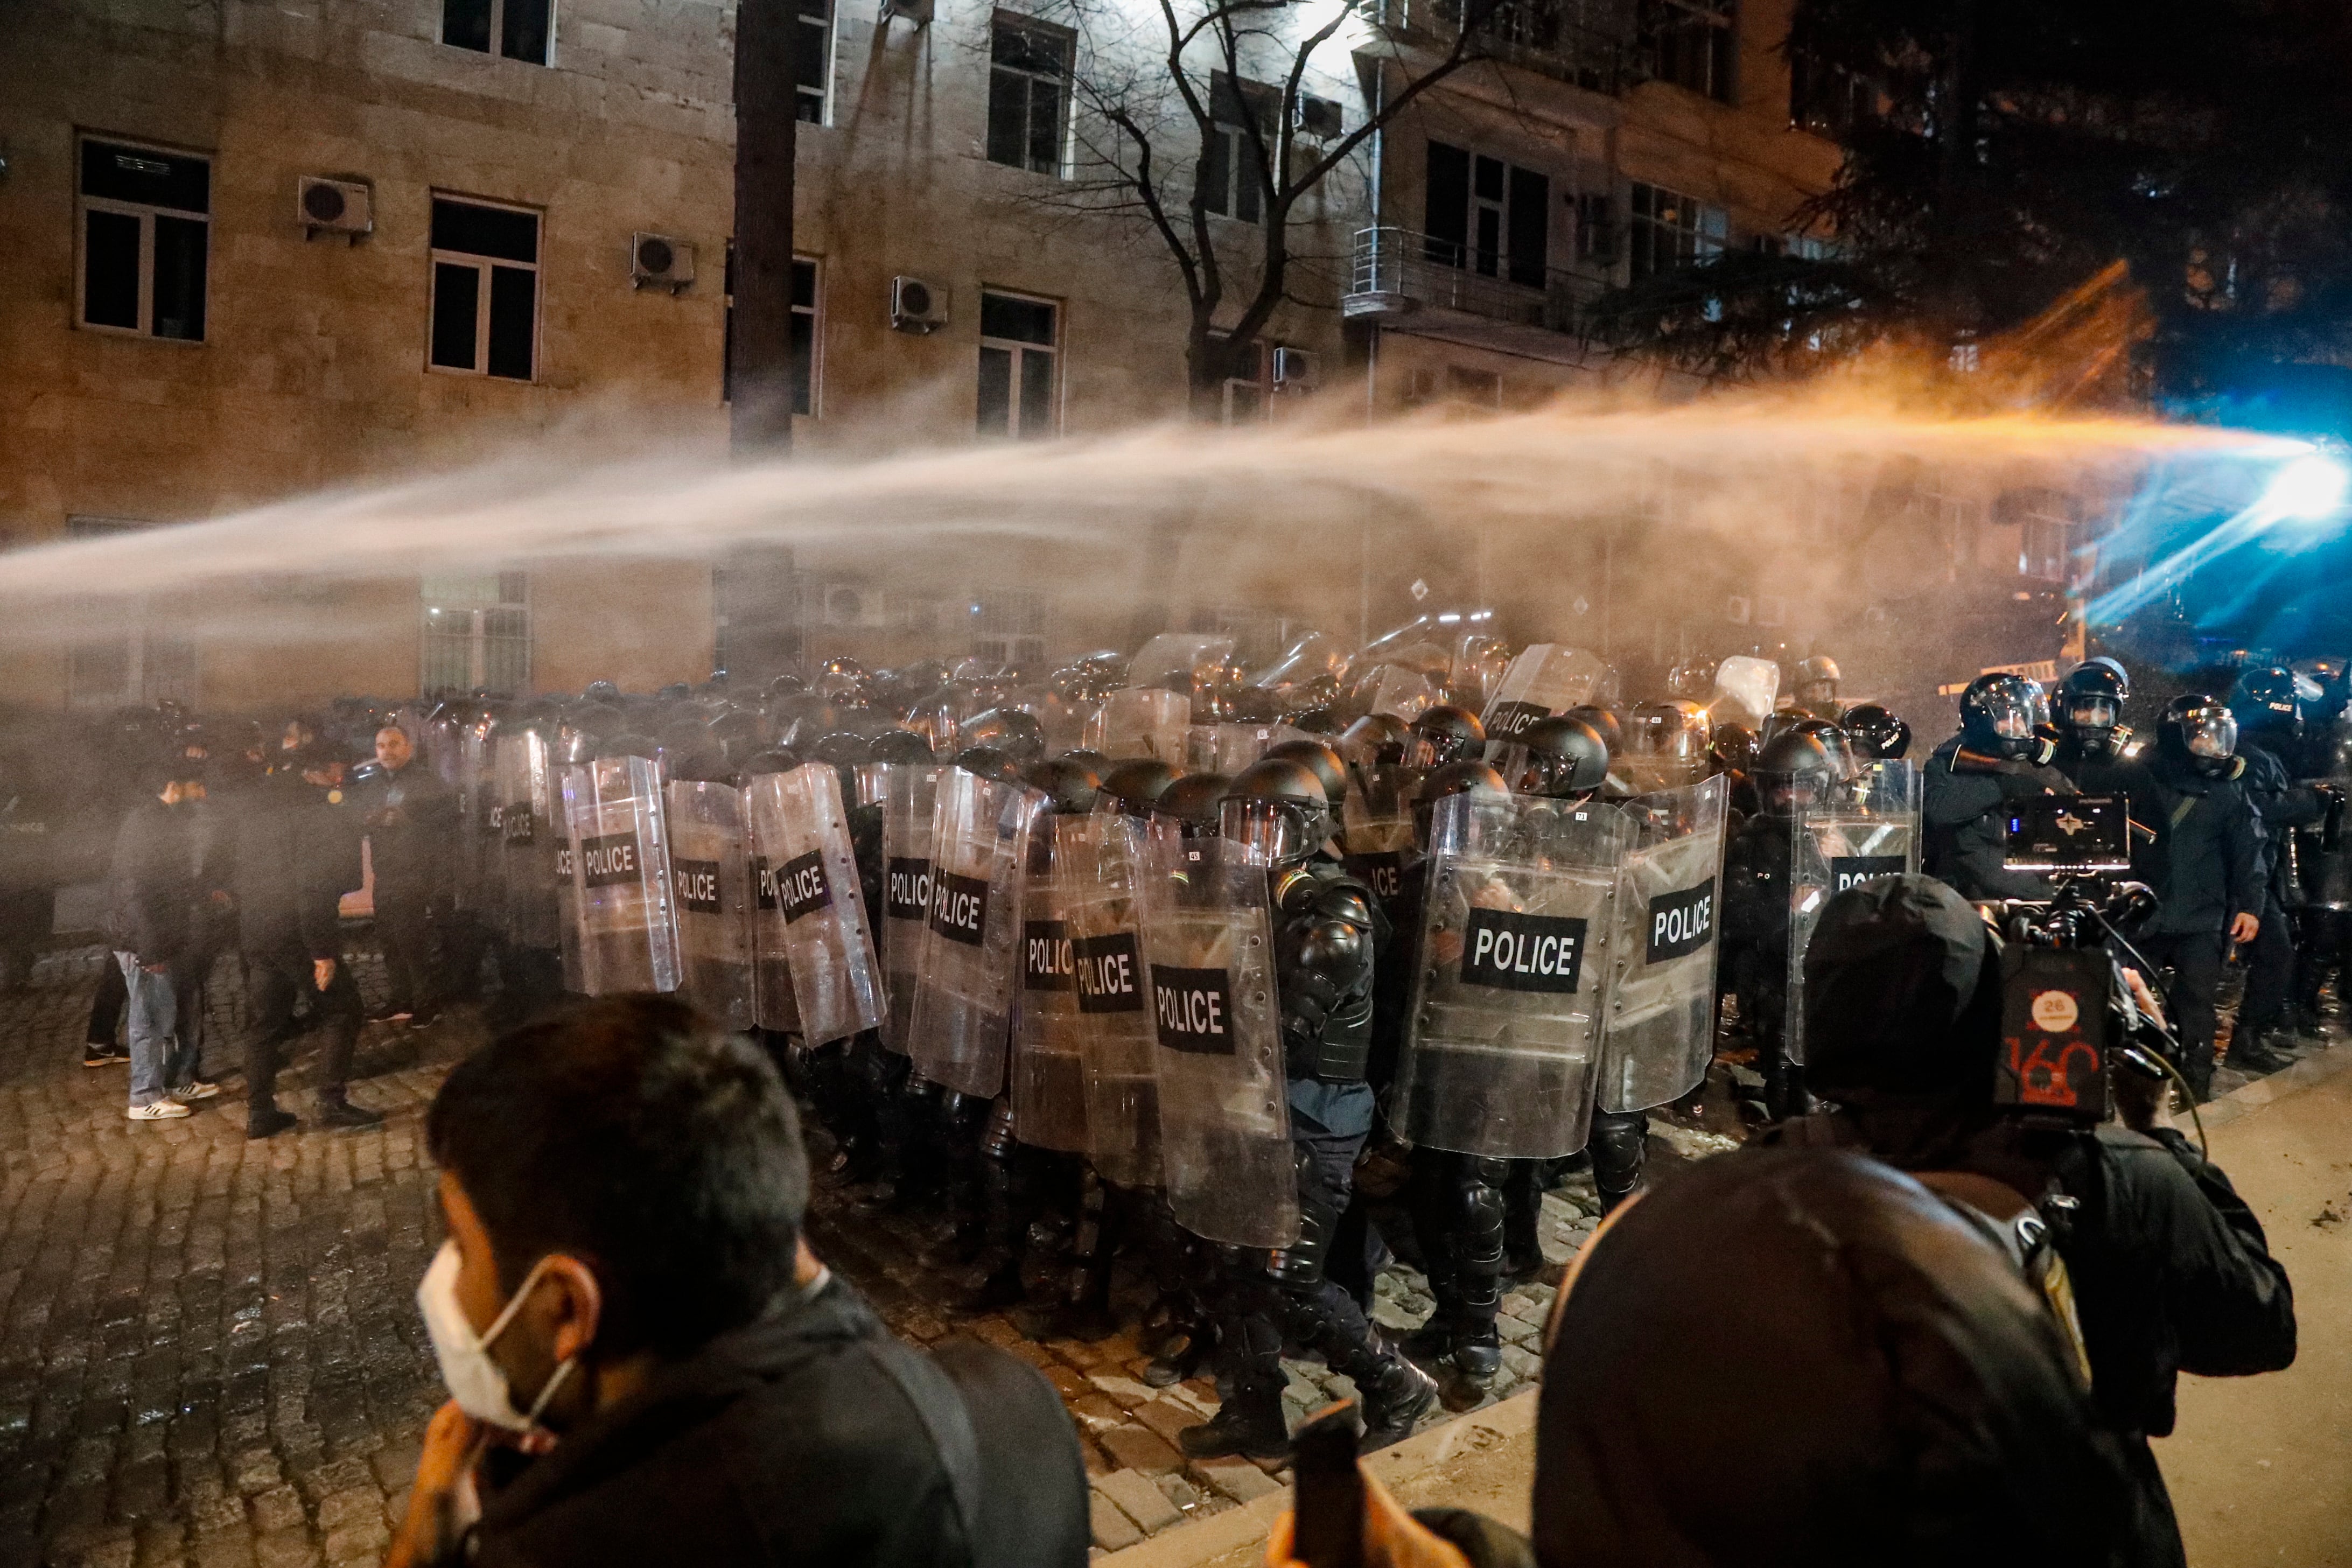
<point>154,897</point>
<point>647,1364</point>
<point>1797,1356</point>
<point>2168,1264</point>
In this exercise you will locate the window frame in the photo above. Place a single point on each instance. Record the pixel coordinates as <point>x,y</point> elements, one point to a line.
<point>1710,232</point>
<point>435,257</point>
<point>1062,131</point>
<point>1231,101</point>
<point>1020,349</point>
<point>477,637</point>
<point>497,47</point>
<point>145,213</point>
<point>1717,22</point>
<point>829,40</point>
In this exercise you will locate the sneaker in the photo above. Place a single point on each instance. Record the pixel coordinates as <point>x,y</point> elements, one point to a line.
<point>424,1018</point>
<point>166,1110</point>
<point>264,1123</point>
<point>195,1090</point>
<point>103,1054</point>
<point>395,1014</point>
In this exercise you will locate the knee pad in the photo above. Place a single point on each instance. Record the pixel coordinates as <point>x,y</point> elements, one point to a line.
<point>1301,1265</point>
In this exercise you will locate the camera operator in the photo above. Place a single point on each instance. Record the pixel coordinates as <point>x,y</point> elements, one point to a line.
<point>2001,753</point>
<point>2170,1267</point>
<point>2204,861</point>
<point>2270,730</point>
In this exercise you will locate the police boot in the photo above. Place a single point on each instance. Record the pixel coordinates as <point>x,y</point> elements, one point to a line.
<point>1620,1145</point>
<point>1249,1423</point>
<point>1084,1311</point>
<point>1523,1191</point>
<point>1396,1394</point>
<point>2258,1054</point>
<point>1005,1185</point>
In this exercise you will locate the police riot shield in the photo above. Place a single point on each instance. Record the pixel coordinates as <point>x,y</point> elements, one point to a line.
<point>1376,831</point>
<point>2323,861</point>
<point>1229,748</point>
<point>710,888</point>
<point>970,958</point>
<point>1543,680</point>
<point>1049,1088</point>
<point>480,880</point>
<point>1225,1115</point>
<point>530,839</point>
<point>620,876</point>
<point>1098,860</point>
<point>1140,721</point>
<point>567,892</point>
<point>1505,1030</point>
<point>800,835</point>
<point>1865,828</point>
<point>1658,1032</point>
<point>908,796</point>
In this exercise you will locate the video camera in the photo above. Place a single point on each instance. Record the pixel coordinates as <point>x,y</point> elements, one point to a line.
<point>2067,1017</point>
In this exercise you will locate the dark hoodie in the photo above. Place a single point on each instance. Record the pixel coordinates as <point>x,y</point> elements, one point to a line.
<point>2169,1266</point>
<point>1802,1357</point>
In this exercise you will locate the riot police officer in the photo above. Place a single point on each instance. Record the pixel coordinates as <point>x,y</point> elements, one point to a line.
<point>1816,687</point>
<point>1796,769</point>
<point>1328,928</point>
<point>1876,733</point>
<point>2002,753</point>
<point>2269,711</point>
<point>1444,734</point>
<point>2093,742</point>
<point>2324,861</point>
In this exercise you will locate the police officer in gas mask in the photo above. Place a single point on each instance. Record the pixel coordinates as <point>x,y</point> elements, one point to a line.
<point>2002,753</point>
<point>2093,742</point>
<point>2268,706</point>
<point>2168,1269</point>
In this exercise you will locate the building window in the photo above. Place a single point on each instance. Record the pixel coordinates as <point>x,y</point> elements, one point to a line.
<point>1487,217</point>
<point>1028,96</point>
<point>805,337</point>
<point>524,30</point>
<point>1247,393</point>
<point>145,235</point>
<point>485,288</point>
<point>812,60</point>
<point>1233,167</point>
<point>1019,394</point>
<point>476,634</point>
<point>1694,44</point>
<point>1827,98</point>
<point>1669,230</point>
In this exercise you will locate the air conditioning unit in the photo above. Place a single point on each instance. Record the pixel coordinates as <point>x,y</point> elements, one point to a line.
<point>655,261</point>
<point>1293,370</point>
<point>848,604</point>
<point>1736,609</point>
<point>333,206</point>
<point>916,306</point>
<point>1316,117</point>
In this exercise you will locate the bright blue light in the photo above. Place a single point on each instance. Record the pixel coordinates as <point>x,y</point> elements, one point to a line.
<point>2310,489</point>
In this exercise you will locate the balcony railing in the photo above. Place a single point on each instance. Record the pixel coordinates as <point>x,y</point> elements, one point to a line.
<point>1398,271</point>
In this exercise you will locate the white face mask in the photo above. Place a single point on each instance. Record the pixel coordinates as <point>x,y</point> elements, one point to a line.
<point>475,1381</point>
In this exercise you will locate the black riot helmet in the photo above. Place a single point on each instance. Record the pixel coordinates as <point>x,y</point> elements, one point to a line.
<point>1566,759</point>
<point>1094,761</point>
<point>1602,723</point>
<point>1675,738</point>
<point>775,760</point>
<point>1013,730</point>
<point>989,763</point>
<point>1136,785</point>
<point>1796,768</point>
<point>1318,721</point>
<point>600,691</point>
<point>1319,760</point>
<point>1735,748</point>
<point>1444,734</point>
<point>1454,778</point>
<point>903,747</point>
<point>786,685</point>
<point>2090,703</point>
<point>737,735</point>
<point>1817,680</point>
<point>2267,704</point>
<point>1374,739</point>
<point>1875,732</point>
<point>2001,714</point>
<point>1196,800</point>
<point>2202,733</point>
<point>1279,809</point>
<point>1072,787</point>
<point>841,750</point>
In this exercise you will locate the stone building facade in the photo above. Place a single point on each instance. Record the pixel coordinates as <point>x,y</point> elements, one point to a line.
<point>260,249</point>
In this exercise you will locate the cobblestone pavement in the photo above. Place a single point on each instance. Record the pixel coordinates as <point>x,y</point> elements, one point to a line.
<point>210,1352</point>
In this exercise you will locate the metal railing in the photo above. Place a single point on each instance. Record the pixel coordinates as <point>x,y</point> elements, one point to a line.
<point>1397,271</point>
<point>1594,44</point>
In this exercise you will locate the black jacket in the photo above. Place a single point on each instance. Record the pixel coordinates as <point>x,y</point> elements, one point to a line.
<point>297,854</point>
<point>153,887</point>
<point>411,827</point>
<point>1757,863</point>
<point>2206,861</point>
<point>1961,821</point>
<point>2281,807</point>
<point>811,1437</point>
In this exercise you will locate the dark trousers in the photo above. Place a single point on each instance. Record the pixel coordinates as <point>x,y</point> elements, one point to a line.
<point>106,1008</point>
<point>2322,948</point>
<point>2270,973</point>
<point>277,978</point>
<point>2195,960</point>
<point>404,924</point>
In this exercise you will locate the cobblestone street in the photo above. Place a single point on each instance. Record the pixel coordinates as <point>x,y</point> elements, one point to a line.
<point>212,1353</point>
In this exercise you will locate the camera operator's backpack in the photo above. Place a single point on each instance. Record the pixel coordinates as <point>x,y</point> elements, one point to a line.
<point>2005,1215</point>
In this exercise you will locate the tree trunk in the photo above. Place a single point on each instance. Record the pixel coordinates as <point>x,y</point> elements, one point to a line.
<point>766,133</point>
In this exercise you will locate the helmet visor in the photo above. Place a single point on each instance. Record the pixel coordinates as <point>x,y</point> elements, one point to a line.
<point>2013,708</point>
<point>2209,731</point>
<point>2092,710</point>
<point>1269,831</point>
<point>1435,747</point>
